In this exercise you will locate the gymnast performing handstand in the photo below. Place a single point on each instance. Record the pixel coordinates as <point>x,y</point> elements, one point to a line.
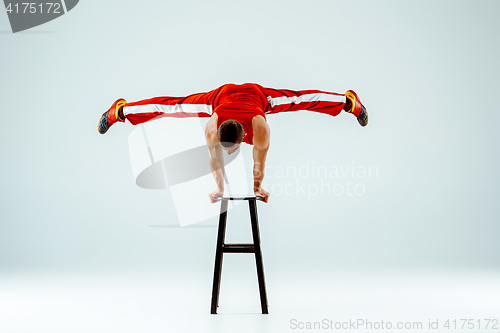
<point>237,114</point>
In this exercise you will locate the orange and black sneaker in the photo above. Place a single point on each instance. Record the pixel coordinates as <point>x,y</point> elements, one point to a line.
<point>111,116</point>
<point>357,108</point>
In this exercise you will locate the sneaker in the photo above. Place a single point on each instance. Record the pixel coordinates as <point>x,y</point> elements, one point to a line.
<point>111,116</point>
<point>357,108</point>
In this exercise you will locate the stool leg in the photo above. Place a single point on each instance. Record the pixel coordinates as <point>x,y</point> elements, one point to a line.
<point>218,256</point>
<point>258,256</point>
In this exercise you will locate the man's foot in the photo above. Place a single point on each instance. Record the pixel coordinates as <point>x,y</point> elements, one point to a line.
<point>111,116</point>
<point>357,108</point>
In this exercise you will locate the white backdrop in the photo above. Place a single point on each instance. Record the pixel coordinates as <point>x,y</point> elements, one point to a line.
<point>427,72</point>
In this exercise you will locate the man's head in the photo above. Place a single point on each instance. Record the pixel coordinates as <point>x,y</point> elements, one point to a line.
<point>230,135</point>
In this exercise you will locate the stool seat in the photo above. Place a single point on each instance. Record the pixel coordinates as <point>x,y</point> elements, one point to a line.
<point>240,198</point>
<point>238,248</point>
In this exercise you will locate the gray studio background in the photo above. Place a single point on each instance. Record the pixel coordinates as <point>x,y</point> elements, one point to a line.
<point>427,71</point>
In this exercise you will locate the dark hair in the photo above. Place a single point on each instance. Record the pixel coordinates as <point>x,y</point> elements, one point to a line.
<point>230,132</point>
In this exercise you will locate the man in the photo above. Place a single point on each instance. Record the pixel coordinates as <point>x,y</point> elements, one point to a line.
<point>237,114</point>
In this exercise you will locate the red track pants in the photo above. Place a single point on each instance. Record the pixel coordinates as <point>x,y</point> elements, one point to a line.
<point>268,100</point>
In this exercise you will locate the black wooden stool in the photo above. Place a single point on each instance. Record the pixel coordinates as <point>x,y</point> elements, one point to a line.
<point>238,248</point>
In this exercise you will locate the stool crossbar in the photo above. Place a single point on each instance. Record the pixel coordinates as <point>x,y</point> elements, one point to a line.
<point>238,248</point>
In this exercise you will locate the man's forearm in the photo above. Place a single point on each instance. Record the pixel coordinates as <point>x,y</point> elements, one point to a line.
<point>218,173</point>
<point>258,174</point>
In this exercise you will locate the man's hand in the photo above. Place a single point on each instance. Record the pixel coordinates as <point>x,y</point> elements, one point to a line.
<point>259,192</point>
<point>217,193</point>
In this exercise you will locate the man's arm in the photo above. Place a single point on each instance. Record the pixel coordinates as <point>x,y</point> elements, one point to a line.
<point>261,141</point>
<point>216,158</point>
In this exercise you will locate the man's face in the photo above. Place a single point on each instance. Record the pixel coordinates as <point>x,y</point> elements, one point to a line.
<point>231,149</point>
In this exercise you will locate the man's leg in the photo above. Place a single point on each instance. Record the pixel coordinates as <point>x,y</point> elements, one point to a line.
<point>196,105</point>
<point>284,100</point>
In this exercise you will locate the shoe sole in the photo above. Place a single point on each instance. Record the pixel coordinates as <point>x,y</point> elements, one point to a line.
<point>363,122</point>
<point>104,126</point>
